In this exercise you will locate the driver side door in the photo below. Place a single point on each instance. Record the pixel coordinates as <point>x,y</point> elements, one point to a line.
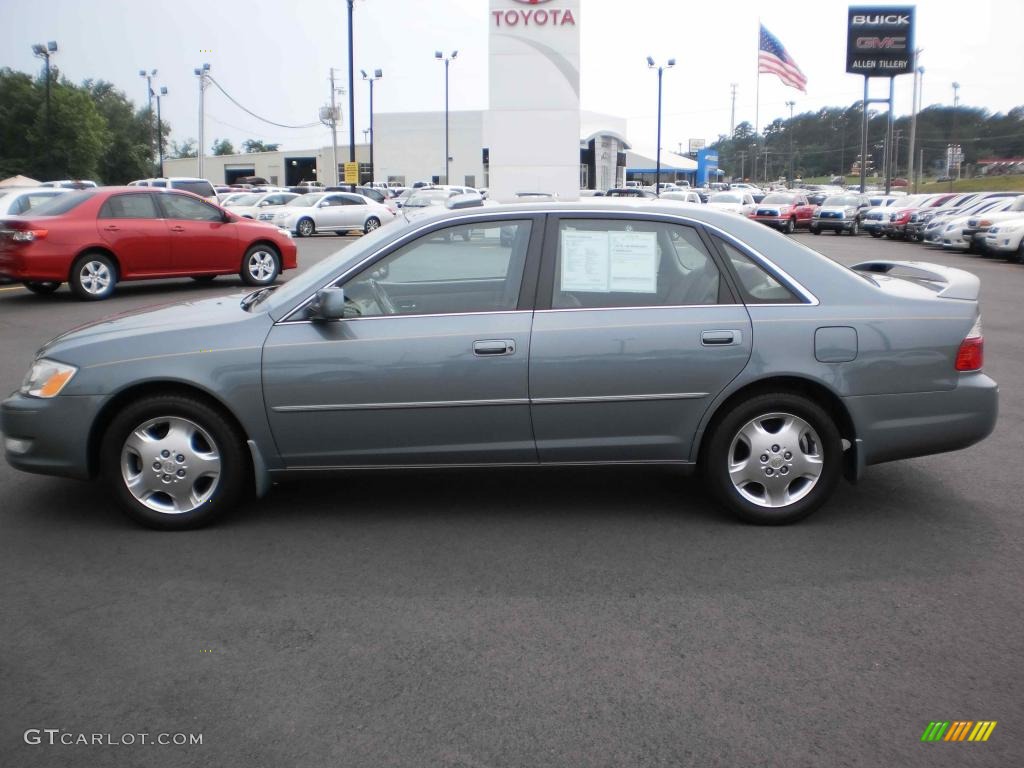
<point>431,368</point>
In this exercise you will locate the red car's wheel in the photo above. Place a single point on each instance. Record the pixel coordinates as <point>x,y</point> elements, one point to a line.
<point>93,277</point>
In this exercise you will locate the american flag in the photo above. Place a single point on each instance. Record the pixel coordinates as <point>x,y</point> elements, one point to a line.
<point>773,59</point>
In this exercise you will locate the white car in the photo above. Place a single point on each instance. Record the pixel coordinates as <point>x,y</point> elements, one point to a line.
<point>936,226</point>
<point>735,201</point>
<point>338,212</point>
<point>978,226</point>
<point>71,184</point>
<point>682,196</point>
<point>15,201</point>
<point>426,199</point>
<point>957,235</point>
<point>196,186</point>
<point>250,206</point>
<point>1006,238</point>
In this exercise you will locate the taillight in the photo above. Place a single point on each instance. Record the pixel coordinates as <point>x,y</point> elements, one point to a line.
<point>28,235</point>
<point>971,355</point>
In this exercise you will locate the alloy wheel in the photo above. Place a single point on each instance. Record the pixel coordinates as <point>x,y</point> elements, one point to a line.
<point>775,460</point>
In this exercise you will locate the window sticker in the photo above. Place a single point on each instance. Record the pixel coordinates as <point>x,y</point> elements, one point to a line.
<point>585,261</point>
<point>633,258</point>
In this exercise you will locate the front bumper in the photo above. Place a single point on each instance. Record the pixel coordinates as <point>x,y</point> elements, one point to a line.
<point>843,225</point>
<point>778,222</point>
<point>49,436</point>
<point>892,427</point>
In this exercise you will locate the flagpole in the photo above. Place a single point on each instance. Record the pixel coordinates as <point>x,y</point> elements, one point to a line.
<point>757,100</point>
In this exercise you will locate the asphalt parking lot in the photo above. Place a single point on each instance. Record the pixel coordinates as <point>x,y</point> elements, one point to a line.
<point>523,618</point>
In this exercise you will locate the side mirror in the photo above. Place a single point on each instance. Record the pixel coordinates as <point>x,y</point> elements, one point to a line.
<point>328,304</point>
<point>226,217</point>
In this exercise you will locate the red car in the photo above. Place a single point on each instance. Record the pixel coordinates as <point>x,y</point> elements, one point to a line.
<point>95,238</point>
<point>787,211</point>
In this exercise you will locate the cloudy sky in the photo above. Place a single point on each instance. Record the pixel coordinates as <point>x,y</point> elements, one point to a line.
<point>274,57</point>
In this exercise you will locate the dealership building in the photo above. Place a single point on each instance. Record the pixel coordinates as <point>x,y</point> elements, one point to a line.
<point>530,139</point>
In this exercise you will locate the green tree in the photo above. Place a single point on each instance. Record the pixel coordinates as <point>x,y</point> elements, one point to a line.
<point>257,145</point>
<point>129,155</point>
<point>222,147</point>
<point>20,102</point>
<point>77,138</point>
<point>187,148</point>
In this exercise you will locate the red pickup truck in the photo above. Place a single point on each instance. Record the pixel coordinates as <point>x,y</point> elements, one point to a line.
<point>786,211</point>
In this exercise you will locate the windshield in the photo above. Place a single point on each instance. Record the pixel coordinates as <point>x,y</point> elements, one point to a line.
<point>304,201</point>
<point>313,278</point>
<point>842,201</point>
<point>241,200</point>
<point>725,197</point>
<point>60,204</point>
<point>427,197</point>
<point>775,197</point>
<point>200,187</point>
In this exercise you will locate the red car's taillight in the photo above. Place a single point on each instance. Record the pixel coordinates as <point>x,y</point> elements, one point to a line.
<point>971,355</point>
<point>28,235</point>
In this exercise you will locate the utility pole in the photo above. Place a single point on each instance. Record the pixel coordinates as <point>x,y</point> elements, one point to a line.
<point>743,163</point>
<point>913,121</point>
<point>351,96</point>
<point>732,114</point>
<point>789,130</point>
<point>956,148</point>
<point>334,130</point>
<point>894,158</point>
<point>203,73</point>
<point>160,130</point>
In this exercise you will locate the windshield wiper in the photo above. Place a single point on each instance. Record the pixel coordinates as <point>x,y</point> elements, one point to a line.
<point>255,297</point>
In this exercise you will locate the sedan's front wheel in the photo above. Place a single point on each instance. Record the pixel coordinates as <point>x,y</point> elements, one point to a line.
<point>260,266</point>
<point>305,228</point>
<point>773,459</point>
<point>173,462</point>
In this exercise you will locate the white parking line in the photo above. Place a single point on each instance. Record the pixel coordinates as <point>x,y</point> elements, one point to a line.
<point>13,288</point>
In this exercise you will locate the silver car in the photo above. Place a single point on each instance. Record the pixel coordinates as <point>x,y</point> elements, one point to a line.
<point>548,333</point>
<point>338,212</point>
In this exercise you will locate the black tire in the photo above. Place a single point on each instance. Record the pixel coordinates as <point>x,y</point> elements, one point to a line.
<point>305,228</point>
<point>855,229</point>
<point>815,231</point>
<point>42,288</point>
<point>93,277</point>
<point>371,224</point>
<point>716,458</point>
<point>790,227</point>
<point>261,265</point>
<point>216,499</point>
<point>204,278</point>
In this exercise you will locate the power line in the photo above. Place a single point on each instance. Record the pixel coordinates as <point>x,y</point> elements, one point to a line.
<point>258,117</point>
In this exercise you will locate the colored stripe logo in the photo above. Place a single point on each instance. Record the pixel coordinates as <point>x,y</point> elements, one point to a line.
<point>958,730</point>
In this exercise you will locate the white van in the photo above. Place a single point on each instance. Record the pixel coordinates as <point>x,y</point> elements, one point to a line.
<point>200,187</point>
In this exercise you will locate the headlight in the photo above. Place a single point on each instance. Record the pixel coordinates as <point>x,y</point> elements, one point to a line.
<point>46,378</point>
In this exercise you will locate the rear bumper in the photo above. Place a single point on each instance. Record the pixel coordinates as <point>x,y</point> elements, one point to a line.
<point>49,436</point>
<point>892,427</point>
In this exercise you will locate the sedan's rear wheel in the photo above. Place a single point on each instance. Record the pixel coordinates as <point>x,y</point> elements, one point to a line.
<point>173,462</point>
<point>93,277</point>
<point>372,223</point>
<point>773,459</point>
<point>42,288</point>
<point>260,266</point>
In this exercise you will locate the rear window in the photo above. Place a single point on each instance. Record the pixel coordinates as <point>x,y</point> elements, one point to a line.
<point>61,204</point>
<point>201,188</point>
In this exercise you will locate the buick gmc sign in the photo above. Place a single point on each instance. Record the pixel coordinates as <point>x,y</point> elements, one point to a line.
<point>880,41</point>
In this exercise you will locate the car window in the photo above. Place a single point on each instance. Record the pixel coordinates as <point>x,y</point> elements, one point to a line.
<point>466,268</point>
<point>60,204</point>
<point>351,200</point>
<point>623,263</point>
<point>757,285</point>
<point>199,187</point>
<point>27,202</point>
<point>182,207</point>
<point>159,183</point>
<point>137,206</point>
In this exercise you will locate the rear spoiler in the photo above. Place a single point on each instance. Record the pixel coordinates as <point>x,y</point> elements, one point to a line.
<point>952,283</point>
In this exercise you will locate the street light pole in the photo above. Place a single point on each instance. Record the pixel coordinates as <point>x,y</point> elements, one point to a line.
<point>149,95</point>
<point>203,73</point>
<point>913,121</point>
<point>657,163</point>
<point>956,150</point>
<point>351,97</point>
<point>732,114</point>
<point>160,131</point>
<point>377,75</point>
<point>447,60</point>
<point>44,52</point>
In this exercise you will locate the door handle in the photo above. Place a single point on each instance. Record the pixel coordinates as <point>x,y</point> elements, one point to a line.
<point>112,228</point>
<point>720,338</point>
<point>494,347</point>
<point>177,229</point>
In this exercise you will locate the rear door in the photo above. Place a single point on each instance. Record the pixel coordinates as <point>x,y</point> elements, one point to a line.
<point>635,333</point>
<point>134,229</point>
<point>201,240</point>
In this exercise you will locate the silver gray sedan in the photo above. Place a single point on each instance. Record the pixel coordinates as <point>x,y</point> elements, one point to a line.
<point>546,333</point>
